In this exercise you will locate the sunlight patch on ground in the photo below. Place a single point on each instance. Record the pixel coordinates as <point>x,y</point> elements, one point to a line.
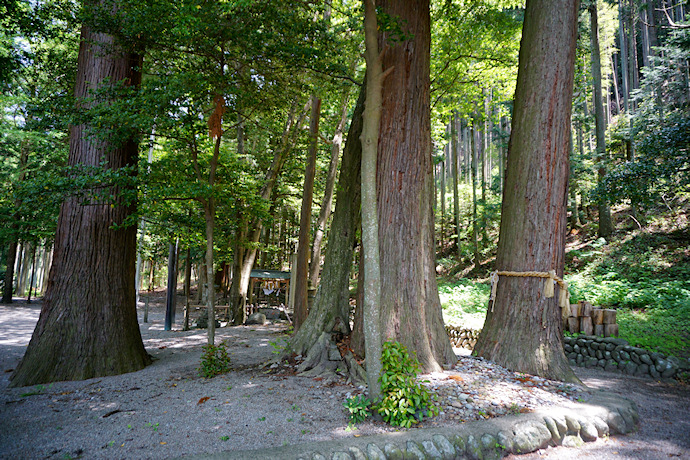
<point>17,323</point>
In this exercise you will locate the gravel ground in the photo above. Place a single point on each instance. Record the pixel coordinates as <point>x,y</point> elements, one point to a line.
<point>166,410</point>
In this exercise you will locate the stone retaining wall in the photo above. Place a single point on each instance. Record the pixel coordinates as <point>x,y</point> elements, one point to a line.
<point>603,415</point>
<point>609,353</point>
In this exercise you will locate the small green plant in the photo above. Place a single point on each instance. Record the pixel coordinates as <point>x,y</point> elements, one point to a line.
<point>278,346</point>
<point>214,361</point>
<point>153,426</point>
<point>358,408</point>
<point>224,438</point>
<point>37,390</point>
<point>405,401</point>
<point>262,419</point>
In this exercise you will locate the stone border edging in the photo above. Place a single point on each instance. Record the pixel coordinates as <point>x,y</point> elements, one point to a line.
<point>570,426</point>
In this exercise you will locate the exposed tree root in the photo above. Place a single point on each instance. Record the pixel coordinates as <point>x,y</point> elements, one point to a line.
<point>325,360</point>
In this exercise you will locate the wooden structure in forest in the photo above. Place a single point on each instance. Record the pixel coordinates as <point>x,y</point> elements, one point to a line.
<point>268,286</point>
<point>586,319</point>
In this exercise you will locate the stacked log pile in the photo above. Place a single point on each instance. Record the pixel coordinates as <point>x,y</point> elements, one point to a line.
<point>589,320</point>
<point>462,337</point>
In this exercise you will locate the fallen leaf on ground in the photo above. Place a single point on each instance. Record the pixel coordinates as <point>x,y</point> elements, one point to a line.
<point>203,400</point>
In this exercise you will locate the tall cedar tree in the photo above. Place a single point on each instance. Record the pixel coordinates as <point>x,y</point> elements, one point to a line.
<point>88,324</point>
<point>523,331</point>
<point>410,306</point>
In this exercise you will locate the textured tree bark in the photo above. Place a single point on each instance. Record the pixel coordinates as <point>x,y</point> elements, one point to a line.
<point>605,223</point>
<point>300,283</point>
<point>8,288</point>
<point>410,306</point>
<point>88,323</point>
<point>523,329</point>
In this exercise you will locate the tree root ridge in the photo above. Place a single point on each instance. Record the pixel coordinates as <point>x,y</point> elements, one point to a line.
<point>329,362</point>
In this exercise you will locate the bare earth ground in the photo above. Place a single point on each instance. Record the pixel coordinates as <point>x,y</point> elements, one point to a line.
<point>166,410</point>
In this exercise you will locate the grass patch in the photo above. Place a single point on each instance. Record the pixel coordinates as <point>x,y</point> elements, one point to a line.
<point>464,302</point>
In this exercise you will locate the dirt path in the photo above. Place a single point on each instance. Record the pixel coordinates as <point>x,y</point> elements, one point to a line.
<point>166,410</point>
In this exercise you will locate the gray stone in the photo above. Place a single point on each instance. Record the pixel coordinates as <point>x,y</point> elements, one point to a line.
<point>256,318</point>
<point>615,355</point>
<point>615,341</point>
<point>505,440</point>
<point>625,356</point>
<point>572,440</point>
<point>611,365</point>
<point>654,373</point>
<point>490,447</point>
<point>431,450</point>
<point>634,357</point>
<point>374,452</point>
<point>601,426</point>
<point>459,443</point>
<point>568,348</point>
<point>588,431</point>
<point>628,348</point>
<point>357,453</point>
<point>572,362</point>
<point>341,456</point>
<point>601,363</point>
<point>474,449</point>
<point>318,456</point>
<point>573,424</point>
<point>616,423</point>
<point>444,446</point>
<point>393,452</point>
<point>642,369</point>
<point>610,347</point>
<point>607,355</point>
<point>645,358</point>
<point>669,372</point>
<point>600,354</point>
<point>630,368</point>
<point>413,452</point>
<point>592,362</point>
<point>530,436</point>
<point>576,348</point>
<point>551,425</point>
<point>580,360</point>
<point>656,356</point>
<point>585,352</point>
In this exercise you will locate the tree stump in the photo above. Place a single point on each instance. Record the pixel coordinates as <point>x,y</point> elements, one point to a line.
<point>586,325</point>
<point>574,325</point>
<point>598,316</point>
<point>599,330</point>
<point>609,316</point>
<point>575,310</point>
<point>585,309</point>
<point>611,330</point>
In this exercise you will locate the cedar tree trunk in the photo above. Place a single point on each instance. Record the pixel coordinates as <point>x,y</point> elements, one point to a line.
<point>88,323</point>
<point>410,306</point>
<point>523,331</point>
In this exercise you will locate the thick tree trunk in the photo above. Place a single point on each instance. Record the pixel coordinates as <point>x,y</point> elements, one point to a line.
<point>523,329</point>
<point>88,323</point>
<point>301,282</point>
<point>605,223</point>
<point>410,306</point>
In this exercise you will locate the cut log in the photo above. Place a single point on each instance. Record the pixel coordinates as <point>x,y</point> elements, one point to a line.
<point>598,316</point>
<point>599,330</point>
<point>611,330</point>
<point>575,310</point>
<point>609,316</point>
<point>586,325</point>
<point>574,325</point>
<point>586,309</point>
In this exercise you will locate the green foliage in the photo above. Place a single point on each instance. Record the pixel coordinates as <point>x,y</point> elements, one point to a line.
<point>404,400</point>
<point>214,361</point>
<point>357,408</point>
<point>464,302</point>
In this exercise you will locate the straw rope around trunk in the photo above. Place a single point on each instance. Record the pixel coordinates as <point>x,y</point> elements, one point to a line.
<point>551,280</point>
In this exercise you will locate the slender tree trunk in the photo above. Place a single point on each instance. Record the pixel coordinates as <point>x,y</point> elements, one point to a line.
<point>33,272</point>
<point>370,229</point>
<point>187,287</point>
<point>454,150</point>
<point>475,217</point>
<point>300,284</point>
<point>523,329</point>
<point>410,306</point>
<point>88,323</point>
<point>605,223</point>
<point>327,202</point>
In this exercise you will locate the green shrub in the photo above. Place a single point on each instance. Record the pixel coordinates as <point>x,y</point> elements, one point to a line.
<point>404,400</point>
<point>214,361</point>
<point>358,408</point>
